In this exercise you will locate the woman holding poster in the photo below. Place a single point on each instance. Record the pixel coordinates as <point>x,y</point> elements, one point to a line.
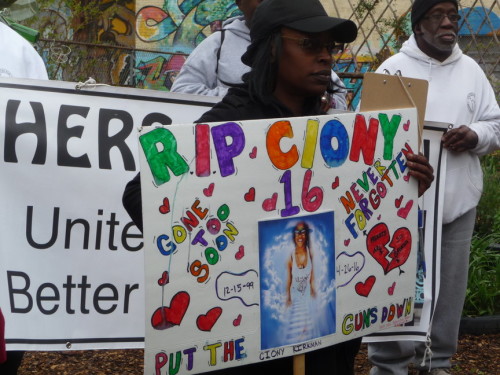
<point>290,57</point>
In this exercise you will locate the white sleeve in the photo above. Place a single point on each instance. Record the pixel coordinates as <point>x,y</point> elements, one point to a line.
<point>198,74</point>
<point>36,66</point>
<point>487,127</point>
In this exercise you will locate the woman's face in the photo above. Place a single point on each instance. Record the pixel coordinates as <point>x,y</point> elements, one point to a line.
<point>305,63</point>
<point>300,235</point>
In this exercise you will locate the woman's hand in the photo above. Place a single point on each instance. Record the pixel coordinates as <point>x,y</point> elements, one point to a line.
<point>420,169</point>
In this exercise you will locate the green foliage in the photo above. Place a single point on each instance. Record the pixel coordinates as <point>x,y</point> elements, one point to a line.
<point>82,13</point>
<point>483,289</point>
<point>488,210</point>
<point>365,6</point>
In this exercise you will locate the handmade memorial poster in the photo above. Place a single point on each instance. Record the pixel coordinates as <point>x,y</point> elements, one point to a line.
<point>272,238</point>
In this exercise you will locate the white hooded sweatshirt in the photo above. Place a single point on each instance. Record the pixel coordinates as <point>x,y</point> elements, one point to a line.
<point>198,74</point>
<point>459,94</point>
<point>211,68</point>
<point>18,58</point>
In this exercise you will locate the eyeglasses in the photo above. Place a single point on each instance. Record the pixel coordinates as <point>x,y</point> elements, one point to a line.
<point>316,45</point>
<point>300,231</point>
<point>439,17</point>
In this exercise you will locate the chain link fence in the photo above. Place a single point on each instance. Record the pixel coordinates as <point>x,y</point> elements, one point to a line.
<point>383,27</point>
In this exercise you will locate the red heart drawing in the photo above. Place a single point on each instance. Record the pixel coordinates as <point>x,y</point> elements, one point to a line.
<point>379,237</point>
<point>207,321</point>
<point>237,321</point>
<point>401,248</point>
<point>241,253</point>
<point>253,154</point>
<point>376,240</point>
<point>335,183</point>
<point>165,317</point>
<point>164,279</point>
<point>364,289</point>
<point>250,196</point>
<point>269,204</point>
<point>398,201</point>
<point>346,242</point>
<point>406,126</point>
<point>406,177</point>
<point>209,190</point>
<point>165,208</point>
<point>404,211</point>
<point>390,290</point>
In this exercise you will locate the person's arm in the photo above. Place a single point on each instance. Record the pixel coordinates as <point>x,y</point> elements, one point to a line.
<point>313,289</point>
<point>132,200</point>
<point>289,281</point>
<point>198,74</point>
<point>482,136</point>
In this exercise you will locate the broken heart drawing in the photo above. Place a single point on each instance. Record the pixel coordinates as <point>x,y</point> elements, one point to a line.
<point>399,246</point>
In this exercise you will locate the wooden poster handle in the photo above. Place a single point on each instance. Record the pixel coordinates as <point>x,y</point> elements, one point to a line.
<point>299,364</point>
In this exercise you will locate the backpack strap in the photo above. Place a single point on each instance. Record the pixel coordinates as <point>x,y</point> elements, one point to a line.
<point>222,36</point>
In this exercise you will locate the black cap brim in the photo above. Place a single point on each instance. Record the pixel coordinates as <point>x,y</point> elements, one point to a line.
<point>345,31</point>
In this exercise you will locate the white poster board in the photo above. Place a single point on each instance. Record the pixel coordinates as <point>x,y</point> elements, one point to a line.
<point>56,189</point>
<point>71,260</point>
<point>223,204</point>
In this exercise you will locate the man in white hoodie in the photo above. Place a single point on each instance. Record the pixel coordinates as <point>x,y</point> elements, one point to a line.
<point>215,64</point>
<point>459,94</point>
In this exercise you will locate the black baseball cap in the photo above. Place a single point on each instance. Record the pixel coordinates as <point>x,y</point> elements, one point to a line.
<point>307,16</point>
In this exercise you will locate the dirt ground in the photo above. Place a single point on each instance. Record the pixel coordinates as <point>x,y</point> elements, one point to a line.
<point>477,354</point>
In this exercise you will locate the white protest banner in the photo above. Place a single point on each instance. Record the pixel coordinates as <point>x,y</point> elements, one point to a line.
<point>71,261</point>
<point>428,261</point>
<point>271,238</point>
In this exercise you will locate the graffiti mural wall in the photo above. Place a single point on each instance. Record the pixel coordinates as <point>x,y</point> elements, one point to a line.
<point>99,42</point>
<point>173,29</point>
<point>144,43</point>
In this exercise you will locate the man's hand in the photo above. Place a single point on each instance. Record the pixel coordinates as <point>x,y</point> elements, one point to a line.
<point>460,139</point>
<point>420,169</point>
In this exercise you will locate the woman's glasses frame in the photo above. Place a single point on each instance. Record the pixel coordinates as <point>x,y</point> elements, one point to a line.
<point>316,45</point>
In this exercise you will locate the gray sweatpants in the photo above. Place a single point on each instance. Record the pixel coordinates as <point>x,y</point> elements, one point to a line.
<point>393,358</point>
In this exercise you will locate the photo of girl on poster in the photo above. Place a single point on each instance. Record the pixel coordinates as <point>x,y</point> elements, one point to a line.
<point>297,273</point>
<point>300,285</point>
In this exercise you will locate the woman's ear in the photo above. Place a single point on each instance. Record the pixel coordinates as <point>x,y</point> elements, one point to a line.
<point>418,29</point>
<point>273,52</point>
